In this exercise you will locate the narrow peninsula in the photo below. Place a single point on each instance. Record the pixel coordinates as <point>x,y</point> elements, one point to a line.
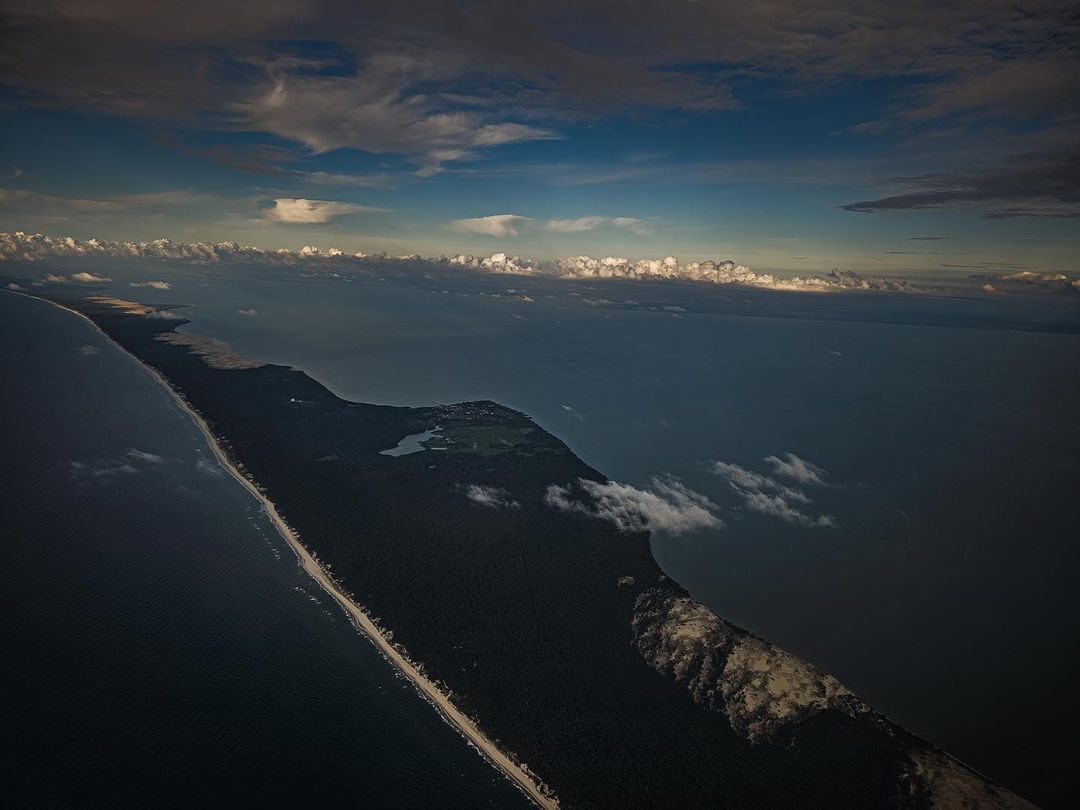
<point>550,639</point>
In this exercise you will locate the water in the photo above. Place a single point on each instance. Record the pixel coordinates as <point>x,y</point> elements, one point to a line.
<point>161,645</point>
<point>947,427</point>
<point>413,443</point>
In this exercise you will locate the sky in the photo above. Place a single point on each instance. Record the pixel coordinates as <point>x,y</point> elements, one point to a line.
<point>891,138</point>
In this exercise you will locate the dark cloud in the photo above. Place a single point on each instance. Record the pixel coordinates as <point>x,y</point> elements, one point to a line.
<point>1031,185</point>
<point>441,81</point>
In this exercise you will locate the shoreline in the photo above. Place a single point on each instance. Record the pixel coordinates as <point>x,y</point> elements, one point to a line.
<point>429,691</point>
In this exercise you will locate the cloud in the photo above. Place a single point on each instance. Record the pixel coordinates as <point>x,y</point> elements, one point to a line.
<point>82,276</point>
<point>768,496</point>
<point>374,110</point>
<point>381,180</point>
<point>1028,278</point>
<point>132,462</point>
<point>777,506</point>
<point>632,224</point>
<point>101,468</point>
<point>460,78</point>
<point>492,497</point>
<point>791,466</point>
<point>21,199</point>
<point>88,350</point>
<point>208,467</point>
<point>667,506</point>
<point>500,225</point>
<point>250,312</point>
<point>13,286</point>
<point>1006,88</point>
<point>25,247</point>
<point>511,225</point>
<point>301,211</point>
<point>744,479</point>
<point>573,412</point>
<point>155,285</point>
<point>164,315</point>
<point>1037,185</point>
<point>46,207</point>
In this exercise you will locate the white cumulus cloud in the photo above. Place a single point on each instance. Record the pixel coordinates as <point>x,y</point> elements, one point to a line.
<point>301,211</point>
<point>89,278</point>
<point>667,505</point>
<point>154,285</point>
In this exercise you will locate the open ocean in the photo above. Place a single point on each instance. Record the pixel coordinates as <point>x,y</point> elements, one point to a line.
<point>944,595</point>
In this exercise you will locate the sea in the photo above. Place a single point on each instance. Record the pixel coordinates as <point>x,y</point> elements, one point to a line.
<point>940,589</point>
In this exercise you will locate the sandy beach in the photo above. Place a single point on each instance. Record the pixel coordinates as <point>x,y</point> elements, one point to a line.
<point>427,688</point>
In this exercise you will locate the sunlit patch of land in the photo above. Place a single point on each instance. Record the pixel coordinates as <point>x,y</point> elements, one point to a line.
<point>215,353</point>
<point>131,307</point>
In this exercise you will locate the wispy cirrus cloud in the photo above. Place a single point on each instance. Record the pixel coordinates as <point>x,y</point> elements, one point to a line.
<point>375,111</point>
<point>766,495</point>
<point>500,225</point>
<point>491,497</point>
<point>798,469</point>
<point>132,462</point>
<point>511,225</point>
<point>15,202</point>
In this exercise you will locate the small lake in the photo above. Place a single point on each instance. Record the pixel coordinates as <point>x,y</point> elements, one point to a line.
<point>413,443</point>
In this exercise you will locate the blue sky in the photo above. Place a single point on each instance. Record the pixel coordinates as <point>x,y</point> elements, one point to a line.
<point>723,131</point>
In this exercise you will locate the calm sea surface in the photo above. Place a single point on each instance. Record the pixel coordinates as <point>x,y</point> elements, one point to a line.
<point>161,645</point>
<point>947,428</point>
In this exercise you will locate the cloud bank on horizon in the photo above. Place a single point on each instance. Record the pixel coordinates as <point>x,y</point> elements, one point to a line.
<point>23,247</point>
